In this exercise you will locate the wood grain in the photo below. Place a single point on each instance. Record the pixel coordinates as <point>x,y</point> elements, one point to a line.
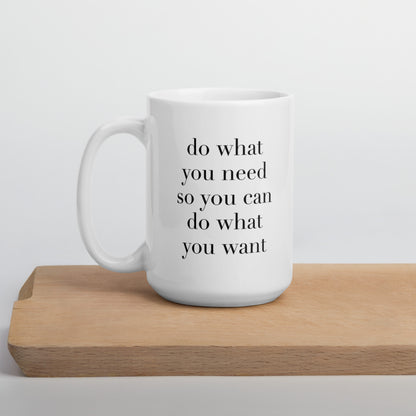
<point>333,319</point>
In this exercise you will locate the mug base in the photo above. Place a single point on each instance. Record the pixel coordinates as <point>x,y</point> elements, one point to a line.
<point>226,302</point>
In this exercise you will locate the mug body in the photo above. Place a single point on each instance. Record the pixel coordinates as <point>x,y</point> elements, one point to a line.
<point>219,206</point>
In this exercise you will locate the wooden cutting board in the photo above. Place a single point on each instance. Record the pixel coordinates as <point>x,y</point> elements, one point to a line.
<point>334,319</point>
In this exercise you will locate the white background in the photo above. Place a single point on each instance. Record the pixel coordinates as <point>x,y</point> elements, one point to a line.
<point>68,66</point>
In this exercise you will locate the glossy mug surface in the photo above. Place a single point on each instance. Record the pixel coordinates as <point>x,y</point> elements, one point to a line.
<point>219,196</point>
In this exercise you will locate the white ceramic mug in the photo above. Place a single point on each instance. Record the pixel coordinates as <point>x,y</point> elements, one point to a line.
<point>219,195</point>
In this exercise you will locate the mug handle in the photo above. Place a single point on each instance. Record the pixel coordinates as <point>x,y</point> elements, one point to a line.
<point>136,261</point>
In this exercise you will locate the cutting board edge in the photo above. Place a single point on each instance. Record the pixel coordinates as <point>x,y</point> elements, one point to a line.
<point>214,360</point>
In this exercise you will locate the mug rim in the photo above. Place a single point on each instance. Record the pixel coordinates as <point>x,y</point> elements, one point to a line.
<point>217,95</point>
